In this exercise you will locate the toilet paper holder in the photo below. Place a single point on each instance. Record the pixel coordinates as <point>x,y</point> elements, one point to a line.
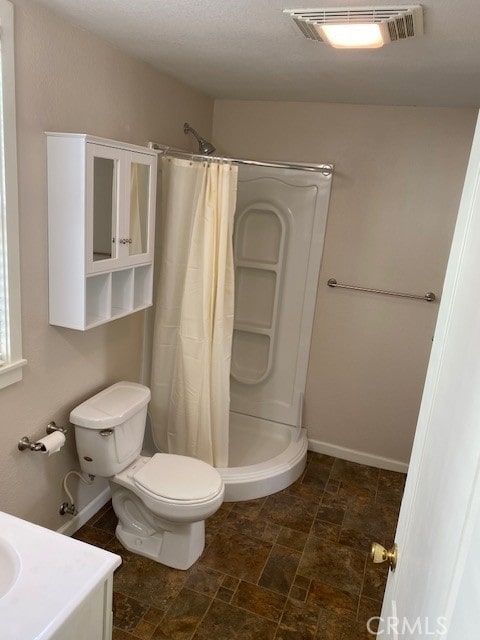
<point>25,444</point>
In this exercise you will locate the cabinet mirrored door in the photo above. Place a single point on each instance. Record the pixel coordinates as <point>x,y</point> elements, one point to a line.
<point>120,207</point>
<point>140,177</point>
<point>105,204</point>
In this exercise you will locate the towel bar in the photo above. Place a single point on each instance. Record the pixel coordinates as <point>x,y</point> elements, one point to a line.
<point>428,297</point>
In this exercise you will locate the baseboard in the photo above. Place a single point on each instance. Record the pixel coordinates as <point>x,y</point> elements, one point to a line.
<point>352,455</point>
<point>86,513</point>
<point>357,456</point>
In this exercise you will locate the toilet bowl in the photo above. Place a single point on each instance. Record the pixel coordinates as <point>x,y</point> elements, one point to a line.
<point>161,501</point>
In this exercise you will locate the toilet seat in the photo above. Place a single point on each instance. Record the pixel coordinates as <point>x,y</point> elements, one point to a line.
<point>177,479</point>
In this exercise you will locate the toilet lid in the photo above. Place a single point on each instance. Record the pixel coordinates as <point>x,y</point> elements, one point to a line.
<point>178,478</point>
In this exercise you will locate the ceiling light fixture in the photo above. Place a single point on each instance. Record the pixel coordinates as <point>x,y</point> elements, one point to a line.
<point>359,27</point>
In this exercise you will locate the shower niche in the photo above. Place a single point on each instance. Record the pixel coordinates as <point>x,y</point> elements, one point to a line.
<point>259,253</point>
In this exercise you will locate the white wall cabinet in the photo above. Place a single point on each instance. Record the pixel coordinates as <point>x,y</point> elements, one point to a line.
<point>101,219</point>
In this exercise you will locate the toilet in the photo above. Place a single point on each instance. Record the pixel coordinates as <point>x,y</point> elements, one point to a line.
<point>161,501</point>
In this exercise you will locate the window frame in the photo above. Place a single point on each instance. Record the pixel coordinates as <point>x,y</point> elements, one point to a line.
<point>11,369</point>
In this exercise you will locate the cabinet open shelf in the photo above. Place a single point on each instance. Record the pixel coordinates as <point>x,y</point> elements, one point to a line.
<point>117,294</point>
<point>122,292</point>
<point>143,284</point>
<point>97,295</point>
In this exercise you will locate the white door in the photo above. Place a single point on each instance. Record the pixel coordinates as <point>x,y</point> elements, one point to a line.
<point>279,233</point>
<point>435,590</point>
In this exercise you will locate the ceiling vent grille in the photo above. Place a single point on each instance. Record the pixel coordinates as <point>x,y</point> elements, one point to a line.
<point>399,22</point>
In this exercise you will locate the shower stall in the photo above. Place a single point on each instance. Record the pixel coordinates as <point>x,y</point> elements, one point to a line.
<point>280,222</point>
<point>279,231</point>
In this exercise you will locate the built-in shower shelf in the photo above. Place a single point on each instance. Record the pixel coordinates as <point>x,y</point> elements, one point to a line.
<point>259,255</point>
<point>251,264</point>
<point>263,331</point>
<point>251,355</point>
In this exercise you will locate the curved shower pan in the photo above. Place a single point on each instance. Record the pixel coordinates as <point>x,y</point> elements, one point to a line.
<point>265,457</point>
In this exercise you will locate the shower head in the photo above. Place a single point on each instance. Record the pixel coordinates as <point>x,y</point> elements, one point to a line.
<point>205,148</point>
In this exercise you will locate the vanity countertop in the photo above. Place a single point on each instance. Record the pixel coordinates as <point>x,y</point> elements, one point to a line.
<point>46,577</point>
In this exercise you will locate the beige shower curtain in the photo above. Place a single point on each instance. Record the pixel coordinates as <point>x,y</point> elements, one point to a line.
<point>194,310</point>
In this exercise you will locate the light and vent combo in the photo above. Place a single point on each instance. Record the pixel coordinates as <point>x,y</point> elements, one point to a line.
<point>359,27</point>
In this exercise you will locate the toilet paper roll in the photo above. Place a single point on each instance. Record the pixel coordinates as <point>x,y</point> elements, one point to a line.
<point>53,442</point>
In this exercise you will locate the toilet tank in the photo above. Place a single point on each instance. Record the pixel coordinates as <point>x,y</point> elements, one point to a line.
<point>109,428</point>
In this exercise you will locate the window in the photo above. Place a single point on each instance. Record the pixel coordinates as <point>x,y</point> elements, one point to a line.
<point>11,360</point>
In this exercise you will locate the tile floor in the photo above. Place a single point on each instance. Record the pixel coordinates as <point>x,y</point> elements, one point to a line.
<point>292,566</point>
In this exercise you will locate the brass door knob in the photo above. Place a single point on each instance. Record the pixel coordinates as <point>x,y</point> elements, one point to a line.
<point>380,554</point>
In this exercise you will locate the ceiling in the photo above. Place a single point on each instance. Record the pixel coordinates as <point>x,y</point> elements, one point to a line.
<point>250,50</point>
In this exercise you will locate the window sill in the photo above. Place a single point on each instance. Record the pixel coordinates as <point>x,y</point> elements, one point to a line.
<point>11,373</point>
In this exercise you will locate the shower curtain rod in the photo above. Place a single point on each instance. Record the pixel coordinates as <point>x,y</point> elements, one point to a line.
<point>325,169</point>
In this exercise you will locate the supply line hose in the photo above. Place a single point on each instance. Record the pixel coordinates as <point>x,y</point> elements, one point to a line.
<point>69,507</point>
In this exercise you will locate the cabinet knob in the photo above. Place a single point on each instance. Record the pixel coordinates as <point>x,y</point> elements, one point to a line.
<point>123,240</point>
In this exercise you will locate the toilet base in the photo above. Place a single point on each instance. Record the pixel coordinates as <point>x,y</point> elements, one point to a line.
<point>176,545</point>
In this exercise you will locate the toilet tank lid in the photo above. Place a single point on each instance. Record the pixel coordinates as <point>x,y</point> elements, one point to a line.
<point>112,406</point>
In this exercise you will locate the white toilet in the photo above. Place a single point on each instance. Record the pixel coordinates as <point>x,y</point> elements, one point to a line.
<point>161,502</point>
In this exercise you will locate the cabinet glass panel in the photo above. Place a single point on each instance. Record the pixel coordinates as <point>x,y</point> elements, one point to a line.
<point>104,208</point>
<point>139,201</point>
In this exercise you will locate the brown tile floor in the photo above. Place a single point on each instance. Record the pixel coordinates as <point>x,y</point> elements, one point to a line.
<point>292,566</point>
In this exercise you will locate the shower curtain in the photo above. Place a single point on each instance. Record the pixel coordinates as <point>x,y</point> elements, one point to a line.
<point>193,323</point>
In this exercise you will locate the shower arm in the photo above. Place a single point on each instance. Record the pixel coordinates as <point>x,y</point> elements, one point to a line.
<point>188,129</point>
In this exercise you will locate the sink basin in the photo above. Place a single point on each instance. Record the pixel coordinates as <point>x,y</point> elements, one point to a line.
<point>11,564</point>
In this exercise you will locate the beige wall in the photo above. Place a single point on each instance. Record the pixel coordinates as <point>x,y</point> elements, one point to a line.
<point>68,80</point>
<point>398,178</point>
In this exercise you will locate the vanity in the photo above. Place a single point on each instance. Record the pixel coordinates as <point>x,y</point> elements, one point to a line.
<point>53,587</point>
<point>101,219</point>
